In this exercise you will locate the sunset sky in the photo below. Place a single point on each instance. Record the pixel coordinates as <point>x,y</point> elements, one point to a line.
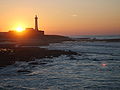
<point>63,17</point>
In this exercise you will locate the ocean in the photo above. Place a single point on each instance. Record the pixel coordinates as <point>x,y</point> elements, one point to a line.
<point>96,67</point>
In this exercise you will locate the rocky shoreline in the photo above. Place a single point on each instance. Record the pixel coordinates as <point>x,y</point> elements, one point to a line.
<point>9,56</point>
<point>12,50</point>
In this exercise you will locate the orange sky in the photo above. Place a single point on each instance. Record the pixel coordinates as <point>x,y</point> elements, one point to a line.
<point>63,17</point>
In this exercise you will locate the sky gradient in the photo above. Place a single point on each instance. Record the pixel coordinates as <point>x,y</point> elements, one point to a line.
<point>63,17</point>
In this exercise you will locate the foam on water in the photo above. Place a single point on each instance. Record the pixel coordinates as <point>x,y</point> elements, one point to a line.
<point>97,68</point>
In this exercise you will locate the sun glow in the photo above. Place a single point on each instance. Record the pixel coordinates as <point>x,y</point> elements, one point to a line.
<point>19,29</point>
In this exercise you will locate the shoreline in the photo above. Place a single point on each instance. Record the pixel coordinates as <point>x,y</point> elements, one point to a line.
<point>101,40</point>
<point>12,50</point>
<point>9,56</point>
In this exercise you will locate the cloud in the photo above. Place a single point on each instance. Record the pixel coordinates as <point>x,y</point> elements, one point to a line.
<point>74,15</point>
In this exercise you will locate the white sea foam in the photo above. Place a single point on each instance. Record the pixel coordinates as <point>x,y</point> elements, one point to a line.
<point>96,68</point>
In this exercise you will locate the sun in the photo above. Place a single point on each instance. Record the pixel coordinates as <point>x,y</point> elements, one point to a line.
<point>19,29</point>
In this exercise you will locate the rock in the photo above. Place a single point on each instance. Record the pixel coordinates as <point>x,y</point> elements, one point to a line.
<point>25,71</point>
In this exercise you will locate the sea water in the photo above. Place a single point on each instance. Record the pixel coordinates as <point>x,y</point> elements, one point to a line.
<point>96,67</point>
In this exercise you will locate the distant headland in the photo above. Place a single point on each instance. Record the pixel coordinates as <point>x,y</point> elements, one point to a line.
<point>30,36</point>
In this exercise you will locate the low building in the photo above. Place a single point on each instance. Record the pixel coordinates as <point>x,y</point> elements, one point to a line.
<point>27,33</point>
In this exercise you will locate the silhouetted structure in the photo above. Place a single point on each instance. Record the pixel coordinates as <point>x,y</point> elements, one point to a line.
<point>36,23</point>
<point>28,32</point>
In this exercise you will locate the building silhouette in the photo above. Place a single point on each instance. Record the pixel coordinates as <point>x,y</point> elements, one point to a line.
<point>27,33</point>
<point>35,31</point>
<point>36,23</point>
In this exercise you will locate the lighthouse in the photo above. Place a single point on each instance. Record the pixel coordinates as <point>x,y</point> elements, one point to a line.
<point>35,31</point>
<point>36,23</point>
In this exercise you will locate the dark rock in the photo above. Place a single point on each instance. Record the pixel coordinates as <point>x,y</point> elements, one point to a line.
<point>34,63</point>
<point>24,71</point>
<point>29,54</point>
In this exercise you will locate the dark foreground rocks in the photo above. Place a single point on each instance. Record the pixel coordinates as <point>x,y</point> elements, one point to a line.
<point>10,55</point>
<point>11,50</point>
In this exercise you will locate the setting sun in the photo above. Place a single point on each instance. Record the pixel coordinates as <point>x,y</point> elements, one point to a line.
<point>19,29</point>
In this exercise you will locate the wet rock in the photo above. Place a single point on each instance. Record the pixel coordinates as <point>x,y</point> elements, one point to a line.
<point>24,71</point>
<point>30,54</point>
<point>43,63</point>
<point>33,63</point>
